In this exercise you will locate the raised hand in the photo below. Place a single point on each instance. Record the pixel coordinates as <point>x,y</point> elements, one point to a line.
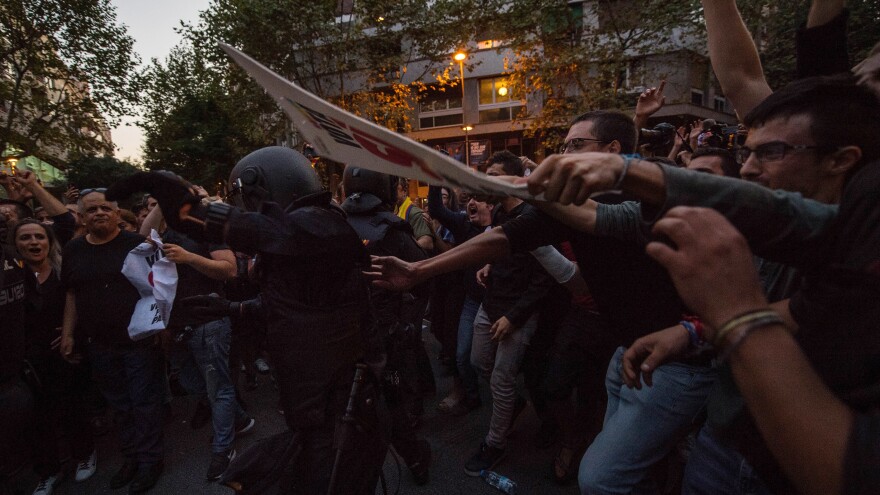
<point>711,265</point>
<point>181,208</point>
<point>651,101</point>
<point>388,272</point>
<point>572,178</point>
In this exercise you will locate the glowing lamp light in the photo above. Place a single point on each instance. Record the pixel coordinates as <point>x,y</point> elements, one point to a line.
<point>467,128</point>
<point>502,91</point>
<point>460,56</point>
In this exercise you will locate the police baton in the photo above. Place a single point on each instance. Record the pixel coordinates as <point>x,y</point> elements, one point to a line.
<point>348,421</point>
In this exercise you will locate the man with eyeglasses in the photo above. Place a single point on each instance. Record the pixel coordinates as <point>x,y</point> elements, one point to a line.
<point>633,296</point>
<point>812,136</point>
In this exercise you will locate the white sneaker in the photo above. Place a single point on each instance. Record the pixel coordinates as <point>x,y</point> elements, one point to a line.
<point>450,400</point>
<point>86,468</point>
<point>47,485</point>
<point>262,366</point>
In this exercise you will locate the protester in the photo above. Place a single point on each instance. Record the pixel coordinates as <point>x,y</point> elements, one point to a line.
<point>126,371</point>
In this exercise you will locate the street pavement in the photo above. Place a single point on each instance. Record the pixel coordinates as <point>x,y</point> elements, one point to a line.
<point>453,440</point>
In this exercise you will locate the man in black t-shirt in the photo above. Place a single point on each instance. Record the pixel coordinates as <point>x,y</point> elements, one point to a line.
<point>100,302</point>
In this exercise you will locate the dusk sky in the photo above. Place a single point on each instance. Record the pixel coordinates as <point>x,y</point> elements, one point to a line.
<point>152,26</point>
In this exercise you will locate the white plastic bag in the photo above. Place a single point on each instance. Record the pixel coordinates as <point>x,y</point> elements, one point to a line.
<point>155,278</point>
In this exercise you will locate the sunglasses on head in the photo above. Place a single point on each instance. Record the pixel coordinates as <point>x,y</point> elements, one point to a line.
<point>93,189</point>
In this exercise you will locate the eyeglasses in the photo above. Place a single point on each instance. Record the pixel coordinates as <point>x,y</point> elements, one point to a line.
<point>576,144</point>
<point>91,190</point>
<point>772,152</point>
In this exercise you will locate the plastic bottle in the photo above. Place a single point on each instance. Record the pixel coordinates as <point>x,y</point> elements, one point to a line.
<point>502,483</point>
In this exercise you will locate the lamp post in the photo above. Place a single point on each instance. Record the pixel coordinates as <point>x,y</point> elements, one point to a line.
<point>459,57</point>
<point>467,147</point>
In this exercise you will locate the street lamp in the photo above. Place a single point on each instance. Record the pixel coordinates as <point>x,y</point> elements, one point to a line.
<point>459,57</point>
<point>467,147</point>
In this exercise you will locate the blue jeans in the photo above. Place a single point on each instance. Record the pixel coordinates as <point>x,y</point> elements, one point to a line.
<point>463,350</point>
<point>128,377</point>
<point>642,426</point>
<point>715,468</point>
<point>205,369</point>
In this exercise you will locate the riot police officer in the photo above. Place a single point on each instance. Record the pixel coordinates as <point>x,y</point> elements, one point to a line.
<point>314,300</point>
<point>368,205</point>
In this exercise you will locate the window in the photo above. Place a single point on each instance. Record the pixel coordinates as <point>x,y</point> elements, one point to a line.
<point>696,97</point>
<point>440,110</point>
<point>720,104</point>
<point>497,101</point>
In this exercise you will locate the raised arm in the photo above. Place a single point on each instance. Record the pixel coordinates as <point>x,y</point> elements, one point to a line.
<point>734,56</point>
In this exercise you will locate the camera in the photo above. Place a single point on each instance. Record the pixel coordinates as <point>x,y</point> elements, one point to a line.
<point>661,136</point>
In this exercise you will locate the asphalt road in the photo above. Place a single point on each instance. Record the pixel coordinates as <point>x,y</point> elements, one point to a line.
<point>453,440</point>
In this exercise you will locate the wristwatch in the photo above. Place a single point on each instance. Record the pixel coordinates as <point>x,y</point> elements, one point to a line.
<point>215,220</point>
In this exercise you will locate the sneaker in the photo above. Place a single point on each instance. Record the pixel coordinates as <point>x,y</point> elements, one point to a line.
<point>146,477</point>
<point>262,366</point>
<point>245,426</point>
<point>47,485</point>
<point>219,463</point>
<point>201,416</point>
<point>86,468</point>
<point>465,406</point>
<point>448,403</point>
<point>419,469</point>
<point>484,460</point>
<point>124,475</point>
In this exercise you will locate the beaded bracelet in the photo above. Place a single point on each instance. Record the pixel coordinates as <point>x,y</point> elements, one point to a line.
<point>740,335</point>
<point>718,339</point>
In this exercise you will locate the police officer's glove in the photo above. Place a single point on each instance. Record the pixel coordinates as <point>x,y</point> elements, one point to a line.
<point>180,206</point>
<point>210,307</point>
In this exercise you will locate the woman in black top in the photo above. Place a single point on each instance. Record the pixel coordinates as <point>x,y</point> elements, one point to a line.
<point>58,385</point>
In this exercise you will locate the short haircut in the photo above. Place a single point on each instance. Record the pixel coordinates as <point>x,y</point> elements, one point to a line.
<point>842,113</point>
<point>612,125</point>
<point>511,163</point>
<point>728,162</point>
<point>79,202</point>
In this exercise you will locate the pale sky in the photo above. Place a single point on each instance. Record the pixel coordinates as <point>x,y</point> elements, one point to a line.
<point>151,23</point>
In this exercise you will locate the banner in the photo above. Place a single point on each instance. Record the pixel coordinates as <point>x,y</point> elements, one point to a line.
<point>347,138</point>
<point>155,278</point>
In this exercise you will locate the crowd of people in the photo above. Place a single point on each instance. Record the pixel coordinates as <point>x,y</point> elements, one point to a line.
<point>710,303</point>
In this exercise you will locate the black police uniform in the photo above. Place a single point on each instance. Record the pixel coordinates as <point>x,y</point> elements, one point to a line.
<point>398,318</point>
<point>316,306</point>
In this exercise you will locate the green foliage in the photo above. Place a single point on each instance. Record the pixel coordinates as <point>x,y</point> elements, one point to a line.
<point>65,67</point>
<point>92,171</point>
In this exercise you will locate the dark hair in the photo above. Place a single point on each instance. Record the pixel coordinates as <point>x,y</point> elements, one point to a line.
<point>453,199</point>
<point>54,246</point>
<point>22,210</point>
<point>728,163</point>
<point>511,163</point>
<point>841,112</point>
<point>611,125</point>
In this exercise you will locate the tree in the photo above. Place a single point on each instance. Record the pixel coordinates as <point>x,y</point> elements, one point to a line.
<point>92,171</point>
<point>67,71</point>
<point>579,57</point>
<point>376,59</point>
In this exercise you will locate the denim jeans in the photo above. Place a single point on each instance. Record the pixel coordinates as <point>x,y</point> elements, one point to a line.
<point>499,361</point>
<point>715,468</point>
<point>128,377</point>
<point>464,345</point>
<point>205,369</point>
<point>642,425</point>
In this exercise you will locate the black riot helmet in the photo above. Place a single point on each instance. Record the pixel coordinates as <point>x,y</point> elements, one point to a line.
<point>275,173</point>
<point>358,180</point>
